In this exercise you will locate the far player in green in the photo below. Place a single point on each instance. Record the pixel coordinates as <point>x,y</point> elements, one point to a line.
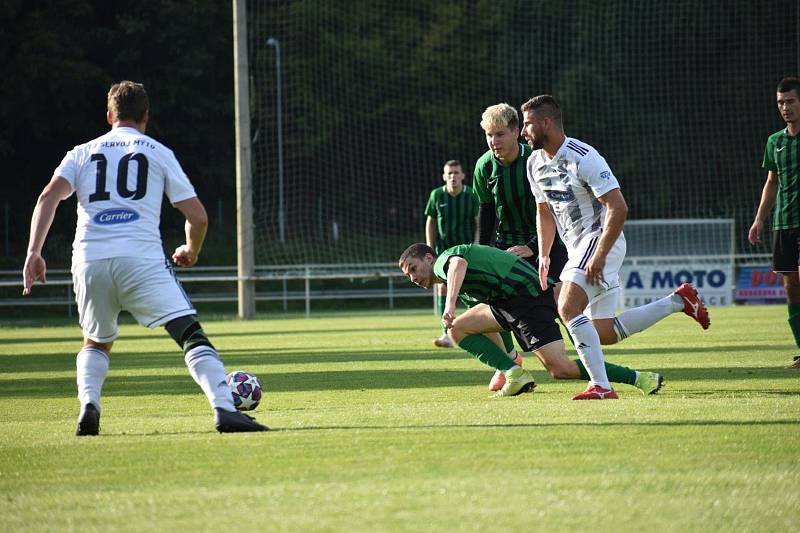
<point>782,189</point>
<point>507,212</point>
<point>452,212</point>
<point>511,300</point>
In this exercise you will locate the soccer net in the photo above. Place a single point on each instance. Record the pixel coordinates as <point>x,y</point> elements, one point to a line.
<point>679,97</point>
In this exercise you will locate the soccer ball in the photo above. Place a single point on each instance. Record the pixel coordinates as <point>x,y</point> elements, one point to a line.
<point>245,388</point>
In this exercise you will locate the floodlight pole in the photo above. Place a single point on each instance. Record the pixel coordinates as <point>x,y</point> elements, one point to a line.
<point>245,253</point>
<point>272,41</point>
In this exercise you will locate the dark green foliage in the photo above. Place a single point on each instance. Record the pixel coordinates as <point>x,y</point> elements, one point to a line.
<point>678,96</point>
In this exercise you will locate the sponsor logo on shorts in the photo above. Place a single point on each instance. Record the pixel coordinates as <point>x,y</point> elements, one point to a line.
<point>109,217</point>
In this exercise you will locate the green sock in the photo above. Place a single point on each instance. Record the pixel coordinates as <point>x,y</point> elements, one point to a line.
<point>794,322</point>
<point>616,373</point>
<point>486,351</point>
<point>508,340</point>
<point>440,302</point>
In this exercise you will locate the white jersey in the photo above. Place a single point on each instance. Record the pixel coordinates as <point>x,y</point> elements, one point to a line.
<point>119,180</point>
<point>570,183</point>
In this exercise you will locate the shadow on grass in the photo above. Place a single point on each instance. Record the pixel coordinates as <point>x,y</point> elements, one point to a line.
<point>370,329</point>
<point>649,424</point>
<point>438,427</point>
<point>126,360</point>
<point>257,356</point>
<point>359,380</point>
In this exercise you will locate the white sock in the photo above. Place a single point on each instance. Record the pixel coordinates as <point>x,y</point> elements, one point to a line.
<point>587,343</point>
<point>207,371</point>
<point>642,317</point>
<point>92,366</point>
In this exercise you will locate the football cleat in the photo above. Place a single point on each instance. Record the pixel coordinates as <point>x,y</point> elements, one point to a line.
<point>499,377</point>
<point>517,382</point>
<point>88,421</point>
<point>649,382</point>
<point>796,363</point>
<point>595,392</point>
<point>235,422</point>
<point>693,305</point>
<point>443,341</point>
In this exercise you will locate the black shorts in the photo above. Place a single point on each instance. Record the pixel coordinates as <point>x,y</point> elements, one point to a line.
<point>558,258</point>
<point>531,320</point>
<point>786,250</point>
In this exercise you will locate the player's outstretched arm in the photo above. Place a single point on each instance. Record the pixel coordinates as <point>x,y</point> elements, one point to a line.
<point>35,268</point>
<point>456,269</point>
<point>766,204</point>
<point>186,255</point>
<point>545,234</point>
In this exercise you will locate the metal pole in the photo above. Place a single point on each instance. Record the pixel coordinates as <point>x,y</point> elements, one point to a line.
<point>244,188</point>
<point>308,292</point>
<point>272,41</point>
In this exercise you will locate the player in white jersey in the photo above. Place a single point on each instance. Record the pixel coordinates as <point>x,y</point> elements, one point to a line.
<point>117,257</point>
<point>578,196</point>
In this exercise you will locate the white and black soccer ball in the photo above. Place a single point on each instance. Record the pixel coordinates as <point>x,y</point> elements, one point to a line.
<point>245,389</point>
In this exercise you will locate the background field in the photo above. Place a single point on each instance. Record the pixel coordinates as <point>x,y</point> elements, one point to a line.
<point>376,430</point>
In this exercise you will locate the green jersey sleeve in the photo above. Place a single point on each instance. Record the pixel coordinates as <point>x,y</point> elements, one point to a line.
<point>440,265</point>
<point>769,155</point>
<point>480,185</point>
<point>430,208</point>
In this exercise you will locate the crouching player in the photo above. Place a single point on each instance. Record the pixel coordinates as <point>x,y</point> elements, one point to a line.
<point>511,300</point>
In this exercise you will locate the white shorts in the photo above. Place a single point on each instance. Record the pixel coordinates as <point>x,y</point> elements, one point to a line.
<point>146,288</point>
<point>603,297</point>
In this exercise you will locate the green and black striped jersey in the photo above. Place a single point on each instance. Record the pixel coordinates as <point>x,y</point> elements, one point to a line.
<point>508,189</point>
<point>455,216</point>
<point>492,274</point>
<point>782,156</point>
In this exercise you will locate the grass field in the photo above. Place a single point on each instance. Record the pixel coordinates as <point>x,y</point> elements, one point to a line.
<point>376,430</point>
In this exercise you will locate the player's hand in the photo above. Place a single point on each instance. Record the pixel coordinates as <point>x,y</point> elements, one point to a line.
<point>449,316</point>
<point>184,256</point>
<point>520,251</point>
<point>35,269</point>
<point>754,235</point>
<point>594,270</point>
<point>544,269</point>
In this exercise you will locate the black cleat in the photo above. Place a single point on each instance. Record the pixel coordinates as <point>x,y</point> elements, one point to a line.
<point>89,421</point>
<point>235,422</point>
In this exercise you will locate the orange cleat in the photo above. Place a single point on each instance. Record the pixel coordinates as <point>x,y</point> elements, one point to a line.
<point>693,305</point>
<point>595,392</point>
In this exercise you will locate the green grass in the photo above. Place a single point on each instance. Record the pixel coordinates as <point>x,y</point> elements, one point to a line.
<point>376,430</point>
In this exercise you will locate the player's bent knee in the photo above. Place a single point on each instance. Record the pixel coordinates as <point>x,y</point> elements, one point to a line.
<point>607,338</point>
<point>104,346</point>
<point>566,313</point>
<point>456,334</point>
<point>187,332</point>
